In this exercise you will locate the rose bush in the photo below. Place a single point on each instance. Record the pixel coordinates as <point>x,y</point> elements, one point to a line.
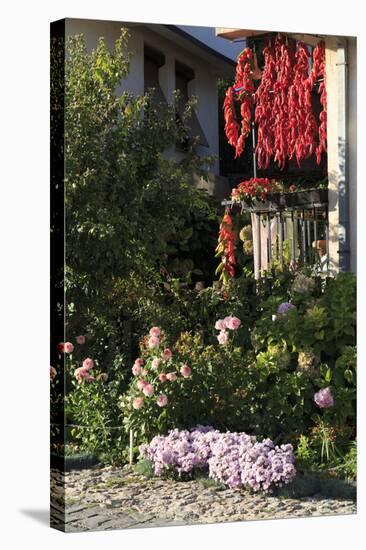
<point>187,384</point>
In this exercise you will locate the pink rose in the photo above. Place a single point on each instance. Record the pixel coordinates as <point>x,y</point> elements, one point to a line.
<point>144,372</point>
<point>61,347</point>
<point>223,337</point>
<point>167,354</point>
<point>136,370</point>
<point>139,362</point>
<point>171,376</point>
<point>82,374</point>
<point>232,323</point>
<point>220,324</point>
<point>155,363</point>
<point>153,342</point>
<point>154,331</point>
<point>88,363</point>
<point>53,373</point>
<point>148,390</point>
<point>68,347</point>
<point>141,384</point>
<point>81,339</point>
<point>185,371</point>
<point>138,402</point>
<point>162,377</point>
<point>162,400</point>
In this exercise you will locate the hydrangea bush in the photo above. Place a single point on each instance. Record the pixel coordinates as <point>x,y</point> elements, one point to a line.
<point>236,459</point>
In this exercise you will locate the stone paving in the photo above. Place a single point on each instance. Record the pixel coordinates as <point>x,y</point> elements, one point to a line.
<point>112,498</point>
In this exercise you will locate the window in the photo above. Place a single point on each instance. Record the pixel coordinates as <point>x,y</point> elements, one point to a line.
<point>183,75</point>
<point>153,60</point>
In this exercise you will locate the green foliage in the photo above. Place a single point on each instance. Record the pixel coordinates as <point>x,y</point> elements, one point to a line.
<point>120,195</point>
<point>145,468</point>
<point>306,456</point>
<point>93,415</point>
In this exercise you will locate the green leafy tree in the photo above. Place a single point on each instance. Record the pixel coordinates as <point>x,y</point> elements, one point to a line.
<point>126,205</point>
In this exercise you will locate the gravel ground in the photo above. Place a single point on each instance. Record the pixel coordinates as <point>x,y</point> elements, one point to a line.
<point>115,498</point>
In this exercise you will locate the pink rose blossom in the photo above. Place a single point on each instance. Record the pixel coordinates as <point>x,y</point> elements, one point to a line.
<point>167,354</point>
<point>162,400</point>
<point>148,390</point>
<point>223,337</point>
<point>136,370</point>
<point>138,402</point>
<point>68,347</point>
<point>171,376</point>
<point>155,363</point>
<point>232,323</point>
<point>81,339</point>
<point>141,384</point>
<point>61,347</point>
<point>162,377</point>
<point>220,324</point>
<point>88,363</point>
<point>154,331</point>
<point>139,362</point>
<point>153,342</point>
<point>82,374</point>
<point>324,398</point>
<point>185,371</point>
<point>53,373</point>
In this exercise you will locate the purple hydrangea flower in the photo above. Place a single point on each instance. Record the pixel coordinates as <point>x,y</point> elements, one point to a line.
<point>285,307</point>
<point>324,398</point>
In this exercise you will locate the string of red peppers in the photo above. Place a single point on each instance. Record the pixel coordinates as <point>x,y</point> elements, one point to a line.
<point>226,249</point>
<point>242,92</point>
<point>286,125</point>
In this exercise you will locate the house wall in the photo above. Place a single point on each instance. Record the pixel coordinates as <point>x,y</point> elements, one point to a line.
<point>342,152</point>
<point>352,150</point>
<point>204,84</point>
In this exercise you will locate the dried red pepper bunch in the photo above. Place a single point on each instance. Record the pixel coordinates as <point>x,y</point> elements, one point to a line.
<point>287,127</point>
<point>241,92</point>
<point>226,249</point>
<point>255,188</point>
<point>318,72</point>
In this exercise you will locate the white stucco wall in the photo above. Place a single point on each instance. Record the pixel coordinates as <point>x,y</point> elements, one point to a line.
<point>203,86</point>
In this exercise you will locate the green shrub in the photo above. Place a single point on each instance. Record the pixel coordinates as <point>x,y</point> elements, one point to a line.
<point>92,414</point>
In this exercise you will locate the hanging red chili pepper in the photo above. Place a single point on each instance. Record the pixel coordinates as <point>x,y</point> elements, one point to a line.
<point>264,109</point>
<point>303,125</point>
<point>226,249</point>
<point>284,62</point>
<point>231,125</point>
<point>319,72</point>
<point>243,93</point>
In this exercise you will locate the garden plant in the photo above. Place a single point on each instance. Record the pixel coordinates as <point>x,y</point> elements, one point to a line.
<point>248,381</point>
